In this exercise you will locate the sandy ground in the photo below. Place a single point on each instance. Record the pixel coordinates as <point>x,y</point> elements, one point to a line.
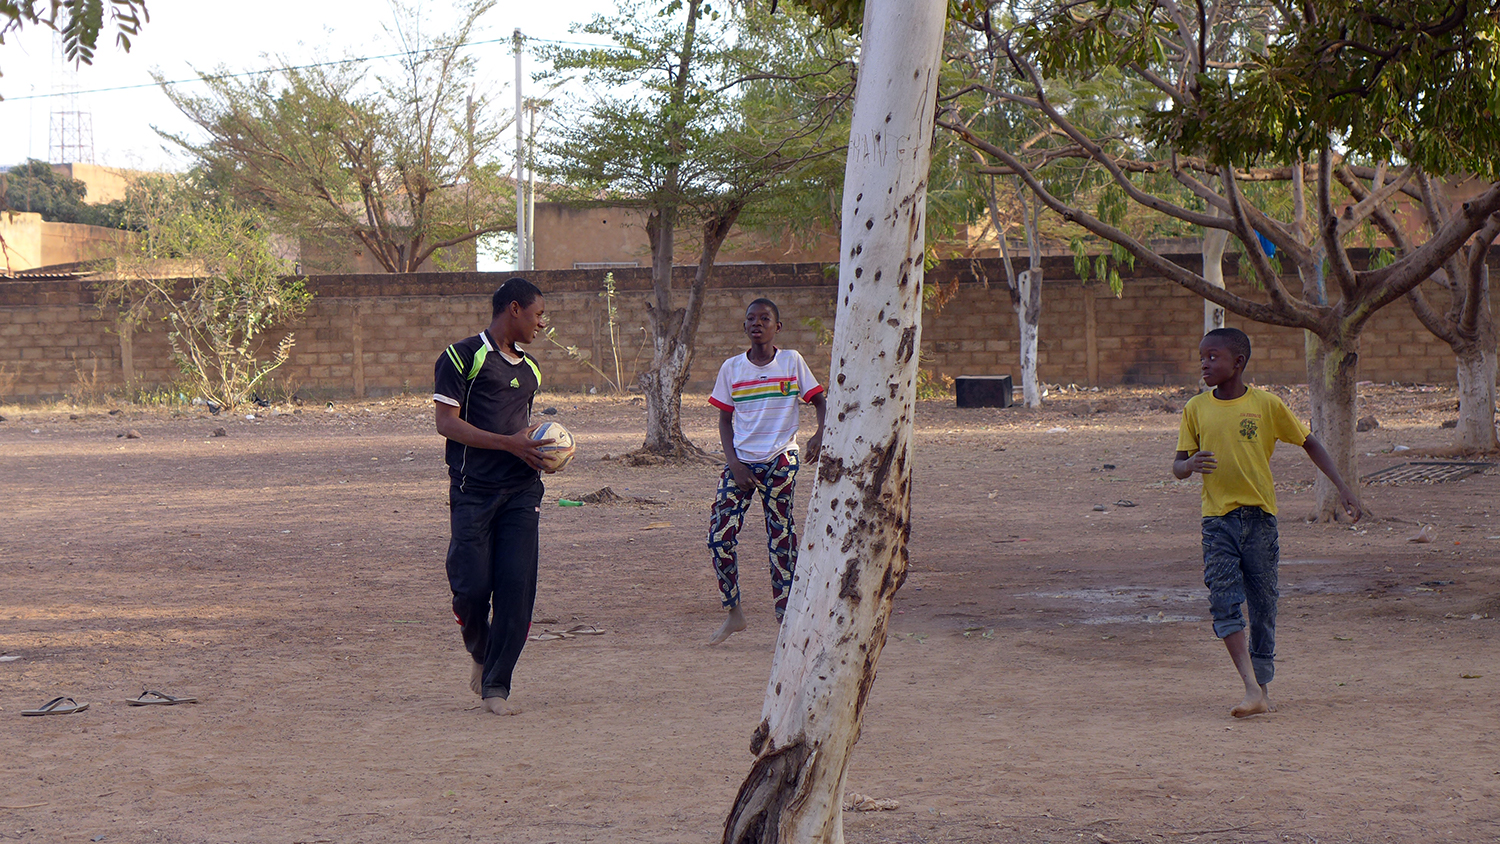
<point>1051,676</point>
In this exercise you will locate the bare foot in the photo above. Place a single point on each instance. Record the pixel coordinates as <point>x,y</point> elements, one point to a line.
<point>1253,704</point>
<point>476,677</point>
<point>733,624</point>
<point>500,706</point>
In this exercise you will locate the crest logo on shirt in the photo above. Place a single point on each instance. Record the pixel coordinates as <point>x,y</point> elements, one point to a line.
<point>1247,428</point>
<point>786,388</point>
<point>515,382</point>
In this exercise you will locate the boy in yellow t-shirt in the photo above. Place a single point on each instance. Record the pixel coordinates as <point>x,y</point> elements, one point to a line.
<point>1228,437</point>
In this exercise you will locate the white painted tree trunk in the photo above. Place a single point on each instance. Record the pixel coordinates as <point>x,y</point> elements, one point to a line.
<point>1476,400</point>
<point>1214,241</point>
<point>1332,392</point>
<point>1029,317</point>
<point>854,544</point>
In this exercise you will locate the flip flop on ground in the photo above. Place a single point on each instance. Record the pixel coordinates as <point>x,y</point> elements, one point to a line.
<point>584,630</point>
<point>549,636</point>
<point>57,706</point>
<point>151,697</point>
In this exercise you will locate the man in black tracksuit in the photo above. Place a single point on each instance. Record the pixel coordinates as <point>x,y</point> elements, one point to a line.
<point>483,393</point>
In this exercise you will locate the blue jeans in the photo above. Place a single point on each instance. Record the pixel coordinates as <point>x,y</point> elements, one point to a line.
<point>1241,552</point>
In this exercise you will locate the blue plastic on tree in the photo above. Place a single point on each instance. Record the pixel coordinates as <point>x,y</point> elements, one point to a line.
<point>1267,248</point>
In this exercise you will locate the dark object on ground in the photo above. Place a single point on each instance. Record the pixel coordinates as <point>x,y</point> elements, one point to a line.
<point>1163,405</point>
<point>115,412</point>
<point>984,390</point>
<point>551,411</point>
<point>1366,423</point>
<point>602,496</point>
<point>151,697</point>
<point>1425,471</point>
<point>1449,423</point>
<point>219,432</point>
<point>132,434</point>
<point>57,706</point>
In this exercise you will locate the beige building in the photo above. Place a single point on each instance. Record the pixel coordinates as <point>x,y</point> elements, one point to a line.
<point>105,184</point>
<point>570,237</point>
<point>27,242</point>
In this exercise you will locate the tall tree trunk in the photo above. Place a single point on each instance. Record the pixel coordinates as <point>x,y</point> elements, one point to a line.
<point>854,554</point>
<point>1332,367</point>
<point>671,346</point>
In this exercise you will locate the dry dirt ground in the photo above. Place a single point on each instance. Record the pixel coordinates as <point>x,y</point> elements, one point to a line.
<point>1050,677</point>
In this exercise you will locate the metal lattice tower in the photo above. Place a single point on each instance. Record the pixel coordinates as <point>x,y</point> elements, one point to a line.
<point>70,136</point>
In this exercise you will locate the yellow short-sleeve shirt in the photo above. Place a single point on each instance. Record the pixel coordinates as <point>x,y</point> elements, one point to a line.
<point>1242,435</point>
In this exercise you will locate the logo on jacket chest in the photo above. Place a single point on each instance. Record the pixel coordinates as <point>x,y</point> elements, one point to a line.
<point>1248,429</point>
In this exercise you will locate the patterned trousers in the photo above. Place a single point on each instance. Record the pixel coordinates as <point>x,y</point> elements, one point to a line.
<point>776,480</point>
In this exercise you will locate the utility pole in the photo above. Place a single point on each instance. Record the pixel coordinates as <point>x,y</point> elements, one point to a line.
<point>523,236</point>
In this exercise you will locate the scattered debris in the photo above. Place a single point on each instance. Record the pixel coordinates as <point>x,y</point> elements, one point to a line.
<point>1057,430</point>
<point>1367,423</point>
<point>1100,508</point>
<point>1449,423</point>
<point>603,496</point>
<point>1425,535</point>
<point>1426,471</point>
<point>657,526</point>
<point>219,432</point>
<point>856,802</point>
<point>550,411</point>
<point>132,434</point>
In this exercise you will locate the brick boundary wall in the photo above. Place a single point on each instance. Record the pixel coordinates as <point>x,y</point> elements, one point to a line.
<point>377,335</point>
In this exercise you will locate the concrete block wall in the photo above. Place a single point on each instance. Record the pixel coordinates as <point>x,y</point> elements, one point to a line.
<point>375,335</point>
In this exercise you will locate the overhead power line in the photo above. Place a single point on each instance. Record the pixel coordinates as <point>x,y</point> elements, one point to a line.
<point>266,71</point>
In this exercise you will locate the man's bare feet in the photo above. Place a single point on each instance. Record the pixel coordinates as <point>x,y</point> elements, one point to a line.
<point>476,677</point>
<point>500,706</point>
<point>734,623</point>
<point>1253,704</point>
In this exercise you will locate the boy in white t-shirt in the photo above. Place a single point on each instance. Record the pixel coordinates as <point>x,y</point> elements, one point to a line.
<point>757,395</point>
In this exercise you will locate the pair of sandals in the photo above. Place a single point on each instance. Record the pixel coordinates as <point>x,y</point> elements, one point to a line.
<point>68,706</point>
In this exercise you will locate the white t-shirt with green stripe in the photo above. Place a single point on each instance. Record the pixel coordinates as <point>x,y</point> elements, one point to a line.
<point>764,402</point>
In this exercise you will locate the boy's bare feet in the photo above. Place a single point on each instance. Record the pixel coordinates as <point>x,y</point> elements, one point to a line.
<point>733,624</point>
<point>1256,703</point>
<point>500,706</point>
<point>476,677</point>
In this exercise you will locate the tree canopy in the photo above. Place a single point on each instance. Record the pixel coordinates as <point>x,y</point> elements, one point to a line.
<point>402,164</point>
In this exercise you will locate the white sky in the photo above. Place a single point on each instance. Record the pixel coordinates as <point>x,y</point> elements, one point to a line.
<point>207,34</point>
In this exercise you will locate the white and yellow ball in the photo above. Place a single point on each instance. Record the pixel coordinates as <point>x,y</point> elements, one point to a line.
<point>560,451</point>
